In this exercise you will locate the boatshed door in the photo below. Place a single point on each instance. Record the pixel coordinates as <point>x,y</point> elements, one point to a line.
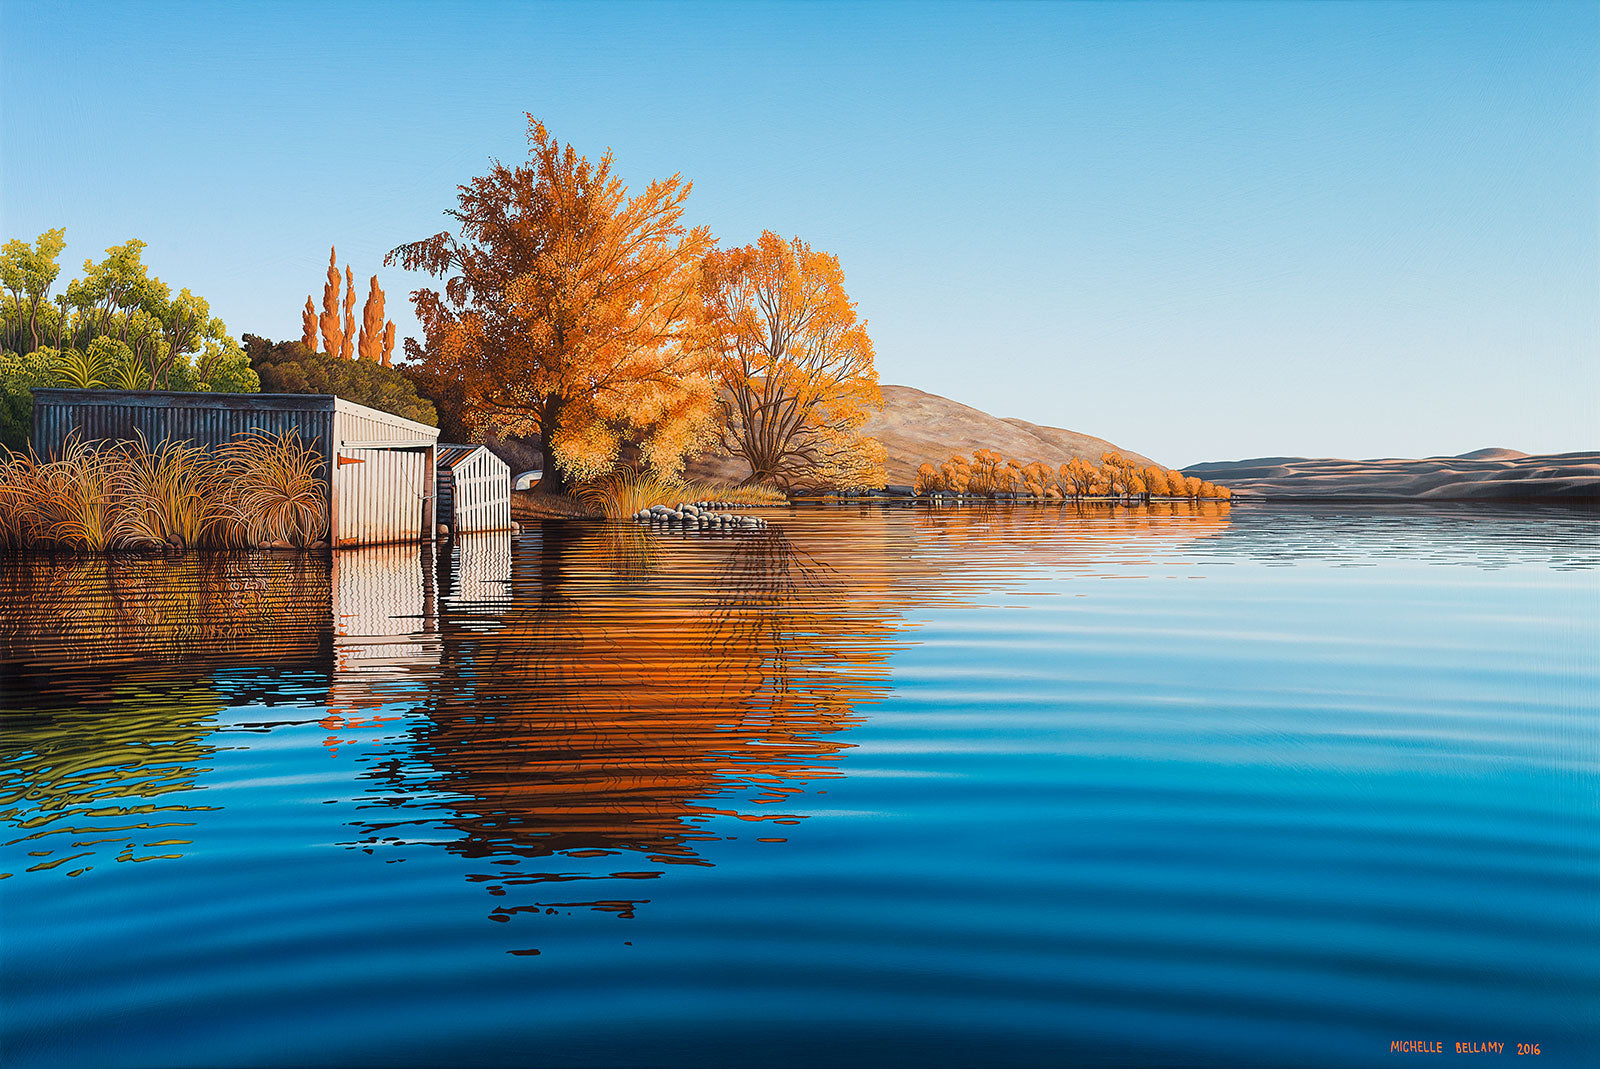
<point>378,495</point>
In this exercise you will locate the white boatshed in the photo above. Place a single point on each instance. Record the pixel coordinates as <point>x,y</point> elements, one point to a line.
<point>473,489</point>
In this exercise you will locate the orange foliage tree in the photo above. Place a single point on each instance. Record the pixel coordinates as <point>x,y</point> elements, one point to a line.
<point>567,311</point>
<point>985,476</point>
<point>377,340</point>
<point>1155,481</point>
<point>1077,477</point>
<point>333,339</point>
<point>1118,474</point>
<point>794,365</point>
<point>955,474</point>
<point>1039,479</point>
<point>339,337</point>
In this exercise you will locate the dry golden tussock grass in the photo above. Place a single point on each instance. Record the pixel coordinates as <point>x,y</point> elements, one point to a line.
<point>261,488</point>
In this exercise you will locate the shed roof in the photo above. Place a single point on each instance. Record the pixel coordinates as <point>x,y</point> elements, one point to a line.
<point>449,455</point>
<point>248,402</point>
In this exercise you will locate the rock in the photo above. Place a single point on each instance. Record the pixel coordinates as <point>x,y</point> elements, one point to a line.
<point>690,510</point>
<point>516,528</point>
<point>443,531</point>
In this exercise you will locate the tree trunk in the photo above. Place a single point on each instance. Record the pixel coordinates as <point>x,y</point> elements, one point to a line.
<point>553,481</point>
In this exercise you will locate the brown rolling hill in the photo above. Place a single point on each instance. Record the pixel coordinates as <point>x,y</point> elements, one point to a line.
<point>1481,475</point>
<point>917,427</point>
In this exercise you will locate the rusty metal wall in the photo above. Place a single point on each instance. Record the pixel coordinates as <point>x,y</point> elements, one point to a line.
<point>206,419</point>
<point>379,495</point>
<point>481,494</point>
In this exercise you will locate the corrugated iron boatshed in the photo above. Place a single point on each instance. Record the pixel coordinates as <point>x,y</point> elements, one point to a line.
<point>474,489</point>
<point>379,468</point>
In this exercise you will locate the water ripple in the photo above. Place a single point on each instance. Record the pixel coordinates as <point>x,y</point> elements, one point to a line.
<point>1000,785</point>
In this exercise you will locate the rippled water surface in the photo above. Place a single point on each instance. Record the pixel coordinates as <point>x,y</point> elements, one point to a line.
<point>1033,786</point>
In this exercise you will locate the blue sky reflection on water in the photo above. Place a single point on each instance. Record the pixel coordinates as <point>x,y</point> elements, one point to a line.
<point>977,787</point>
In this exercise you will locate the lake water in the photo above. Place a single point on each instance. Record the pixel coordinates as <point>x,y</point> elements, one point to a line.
<point>1185,786</point>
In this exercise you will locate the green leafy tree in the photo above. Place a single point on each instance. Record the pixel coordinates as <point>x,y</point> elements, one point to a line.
<point>117,327</point>
<point>27,272</point>
<point>19,375</point>
<point>290,367</point>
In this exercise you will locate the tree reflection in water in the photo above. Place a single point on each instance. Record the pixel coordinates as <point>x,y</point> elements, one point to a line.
<point>627,694</point>
<point>580,704</point>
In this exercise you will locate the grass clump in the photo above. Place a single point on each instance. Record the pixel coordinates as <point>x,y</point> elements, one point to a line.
<point>260,489</point>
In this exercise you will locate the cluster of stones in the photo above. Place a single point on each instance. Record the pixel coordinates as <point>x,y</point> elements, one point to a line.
<point>700,515</point>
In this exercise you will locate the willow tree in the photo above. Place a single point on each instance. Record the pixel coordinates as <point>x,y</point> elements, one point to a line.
<point>568,310</point>
<point>794,366</point>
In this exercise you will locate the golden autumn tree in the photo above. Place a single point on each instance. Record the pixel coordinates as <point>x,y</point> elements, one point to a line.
<point>1118,472</point>
<point>347,346</point>
<point>332,330</point>
<point>376,341</point>
<point>794,365</point>
<point>955,474</point>
<point>986,467</point>
<point>927,480</point>
<point>568,310</point>
<point>1155,480</point>
<point>1038,478</point>
<point>308,326</point>
<point>1077,477</point>
<point>1007,477</point>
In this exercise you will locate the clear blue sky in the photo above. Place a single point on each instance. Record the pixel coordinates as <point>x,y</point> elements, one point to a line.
<point>1204,231</point>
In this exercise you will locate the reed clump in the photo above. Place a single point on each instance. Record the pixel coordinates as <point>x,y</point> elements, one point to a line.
<point>260,489</point>
<point>622,494</point>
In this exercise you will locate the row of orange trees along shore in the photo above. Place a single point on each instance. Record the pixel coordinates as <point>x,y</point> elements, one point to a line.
<point>990,472</point>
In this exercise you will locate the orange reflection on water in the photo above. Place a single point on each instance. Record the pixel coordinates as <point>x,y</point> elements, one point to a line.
<point>633,690</point>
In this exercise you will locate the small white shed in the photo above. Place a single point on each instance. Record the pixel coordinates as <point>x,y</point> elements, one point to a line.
<point>473,489</point>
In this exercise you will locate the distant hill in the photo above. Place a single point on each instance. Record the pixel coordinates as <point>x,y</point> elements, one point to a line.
<point>1481,475</point>
<point>917,427</point>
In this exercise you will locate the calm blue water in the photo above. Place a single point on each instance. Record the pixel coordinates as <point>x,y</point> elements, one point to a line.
<point>967,787</point>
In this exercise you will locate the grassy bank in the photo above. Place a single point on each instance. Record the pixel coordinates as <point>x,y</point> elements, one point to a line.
<point>259,490</point>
